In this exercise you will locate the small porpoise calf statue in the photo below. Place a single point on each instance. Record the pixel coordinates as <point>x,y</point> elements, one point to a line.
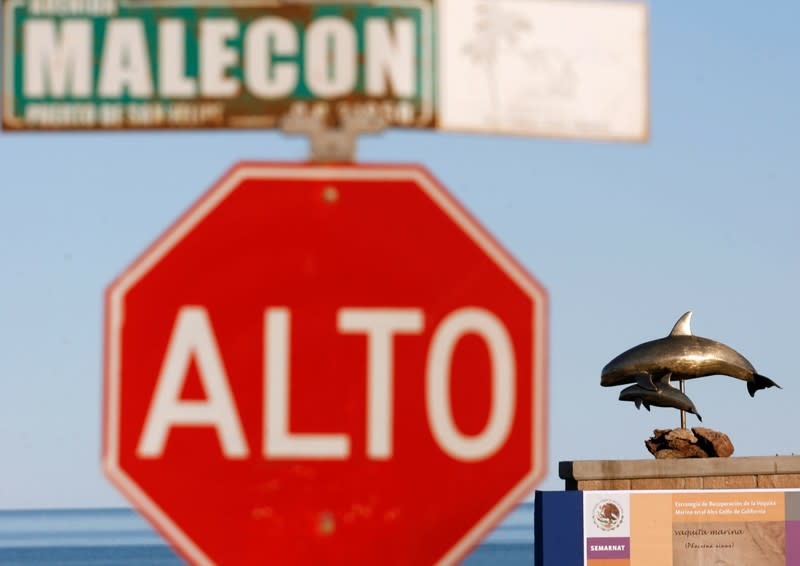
<point>665,395</point>
<point>683,355</point>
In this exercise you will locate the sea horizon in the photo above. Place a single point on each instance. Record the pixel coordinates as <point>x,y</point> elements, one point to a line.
<point>117,536</point>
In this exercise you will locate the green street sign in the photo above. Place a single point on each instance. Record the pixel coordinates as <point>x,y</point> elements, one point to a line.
<point>138,64</point>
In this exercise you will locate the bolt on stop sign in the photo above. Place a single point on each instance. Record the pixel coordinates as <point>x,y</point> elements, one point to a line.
<point>325,365</point>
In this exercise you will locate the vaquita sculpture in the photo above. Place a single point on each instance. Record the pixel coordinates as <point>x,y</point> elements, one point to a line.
<point>677,357</point>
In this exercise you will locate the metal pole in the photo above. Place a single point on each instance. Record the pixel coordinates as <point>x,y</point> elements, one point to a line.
<point>333,144</point>
<point>683,413</point>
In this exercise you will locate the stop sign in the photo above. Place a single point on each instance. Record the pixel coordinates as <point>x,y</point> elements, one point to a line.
<point>325,365</point>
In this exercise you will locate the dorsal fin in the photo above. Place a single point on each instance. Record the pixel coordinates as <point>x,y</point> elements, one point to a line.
<point>683,327</point>
<point>665,379</point>
<point>645,381</point>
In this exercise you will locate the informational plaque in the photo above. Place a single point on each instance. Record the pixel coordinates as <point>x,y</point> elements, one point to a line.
<point>692,527</point>
<point>668,528</point>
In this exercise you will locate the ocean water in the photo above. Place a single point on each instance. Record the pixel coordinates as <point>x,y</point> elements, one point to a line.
<point>120,537</point>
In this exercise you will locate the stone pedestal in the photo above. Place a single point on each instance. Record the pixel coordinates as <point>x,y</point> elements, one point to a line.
<point>760,472</point>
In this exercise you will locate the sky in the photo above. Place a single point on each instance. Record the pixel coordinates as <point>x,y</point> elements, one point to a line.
<point>625,237</point>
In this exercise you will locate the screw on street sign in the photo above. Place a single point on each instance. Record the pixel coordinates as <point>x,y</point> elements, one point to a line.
<point>325,364</point>
<point>556,68</point>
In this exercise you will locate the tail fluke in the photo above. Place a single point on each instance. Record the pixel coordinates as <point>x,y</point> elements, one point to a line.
<point>760,382</point>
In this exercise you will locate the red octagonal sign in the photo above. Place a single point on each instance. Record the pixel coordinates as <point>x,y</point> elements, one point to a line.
<point>325,365</point>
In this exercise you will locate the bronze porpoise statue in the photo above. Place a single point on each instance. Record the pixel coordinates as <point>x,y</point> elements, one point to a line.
<point>665,395</point>
<point>683,355</point>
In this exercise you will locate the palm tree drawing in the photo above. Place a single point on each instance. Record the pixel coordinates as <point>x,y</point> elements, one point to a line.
<point>493,28</point>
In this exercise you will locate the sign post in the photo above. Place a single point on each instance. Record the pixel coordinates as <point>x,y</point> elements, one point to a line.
<point>325,364</point>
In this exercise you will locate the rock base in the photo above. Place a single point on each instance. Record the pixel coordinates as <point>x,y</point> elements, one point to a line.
<point>698,442</point>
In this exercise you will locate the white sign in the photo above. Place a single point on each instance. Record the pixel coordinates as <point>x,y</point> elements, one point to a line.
<point>553,68</point>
